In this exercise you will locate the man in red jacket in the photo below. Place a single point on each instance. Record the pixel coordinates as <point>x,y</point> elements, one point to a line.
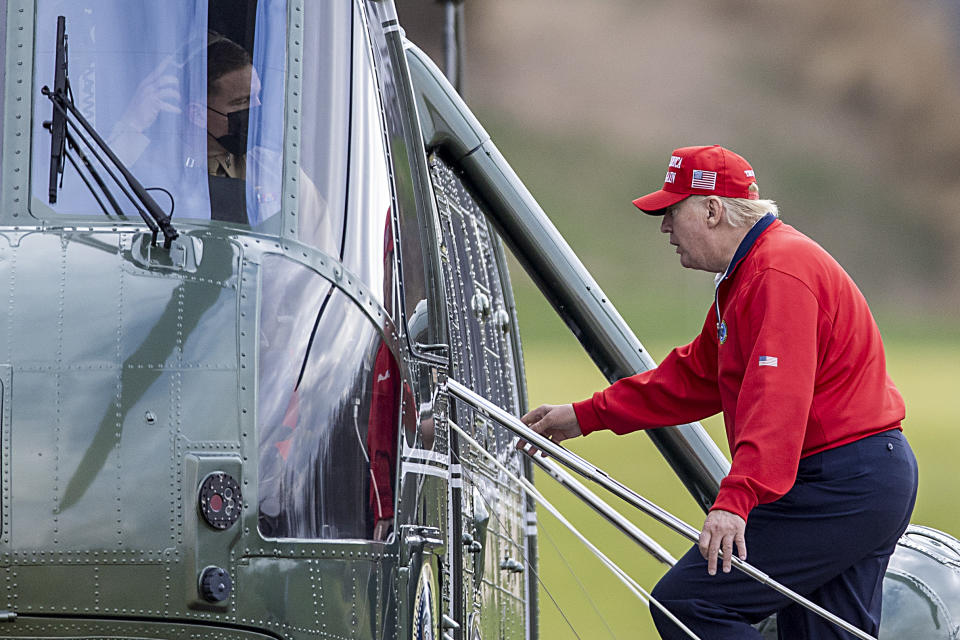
<point>822,482</point>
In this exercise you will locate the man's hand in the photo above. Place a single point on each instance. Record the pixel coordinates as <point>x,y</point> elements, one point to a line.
<point>720,531</point>
<point>158,92</point>
<point>556,422</point>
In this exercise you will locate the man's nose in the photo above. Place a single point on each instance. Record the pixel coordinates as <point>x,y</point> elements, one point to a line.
<point>666,224</point>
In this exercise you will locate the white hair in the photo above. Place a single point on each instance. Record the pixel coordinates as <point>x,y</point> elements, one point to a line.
<point>742,212</point>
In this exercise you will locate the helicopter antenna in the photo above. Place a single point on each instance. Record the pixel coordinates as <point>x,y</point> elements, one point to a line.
<point>454,34</point>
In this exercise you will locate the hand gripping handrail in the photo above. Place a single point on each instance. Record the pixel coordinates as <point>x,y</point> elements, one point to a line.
<point>580,466</point>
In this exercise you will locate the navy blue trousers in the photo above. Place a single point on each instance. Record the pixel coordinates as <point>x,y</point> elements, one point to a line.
<point>829,539</point>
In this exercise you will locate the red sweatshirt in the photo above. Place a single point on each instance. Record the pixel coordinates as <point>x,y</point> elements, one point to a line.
<point>795,364</point>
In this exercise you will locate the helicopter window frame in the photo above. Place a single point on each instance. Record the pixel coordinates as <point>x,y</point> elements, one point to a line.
<point>368,245</point>
<point>301,133</point>
<point>183,64</point>
<point>417,254</point>
<point>19,204</point>
<point>18,108</point>
<point>189,181</point>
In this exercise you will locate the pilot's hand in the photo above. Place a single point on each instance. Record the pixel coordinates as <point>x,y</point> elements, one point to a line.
<point>721,530</point>
<point>158,92</point>
<point>382,529</point>
<point>558,422</point>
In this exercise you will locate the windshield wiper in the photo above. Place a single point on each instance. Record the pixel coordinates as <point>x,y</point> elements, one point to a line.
<point>66,114</point>
<point>58,126</point>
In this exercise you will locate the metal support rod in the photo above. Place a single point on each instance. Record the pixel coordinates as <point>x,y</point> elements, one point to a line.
<point>608,513</point>
<point>453,46</point>
<point>450,43</point>
<point>72,142</point>
<point>86,182</point>
<point>582,467</point>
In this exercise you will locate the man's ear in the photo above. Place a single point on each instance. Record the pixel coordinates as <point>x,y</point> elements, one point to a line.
<point>197,114</point>
<point>715,211</point>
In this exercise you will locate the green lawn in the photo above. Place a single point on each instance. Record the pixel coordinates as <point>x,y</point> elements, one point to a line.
<point>595,602</point>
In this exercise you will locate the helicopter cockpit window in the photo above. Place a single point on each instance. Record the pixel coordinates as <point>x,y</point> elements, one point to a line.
<point>189,95</point>
<point>328,412</point>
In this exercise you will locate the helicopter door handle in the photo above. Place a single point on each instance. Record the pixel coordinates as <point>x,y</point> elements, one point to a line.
<point>428,539</point>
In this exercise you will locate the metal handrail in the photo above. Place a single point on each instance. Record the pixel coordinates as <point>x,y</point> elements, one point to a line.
<point>580,466</point>
<point>607,512</point>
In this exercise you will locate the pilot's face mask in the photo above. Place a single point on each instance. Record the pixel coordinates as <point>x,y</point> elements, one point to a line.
<point>238,123</point>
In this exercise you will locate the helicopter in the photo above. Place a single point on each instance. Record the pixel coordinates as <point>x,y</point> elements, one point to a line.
<point>248,247</point>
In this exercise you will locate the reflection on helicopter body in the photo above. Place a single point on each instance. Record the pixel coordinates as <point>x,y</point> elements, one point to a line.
<point>279,344</point>
<point>330,391</point>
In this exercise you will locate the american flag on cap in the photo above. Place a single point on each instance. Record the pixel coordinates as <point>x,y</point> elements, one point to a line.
<point>703,179</point>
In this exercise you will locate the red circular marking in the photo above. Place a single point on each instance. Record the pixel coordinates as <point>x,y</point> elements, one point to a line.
<point>216,502</point>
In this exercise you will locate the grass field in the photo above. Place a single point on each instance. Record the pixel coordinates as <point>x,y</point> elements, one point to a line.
<point>594,602</point>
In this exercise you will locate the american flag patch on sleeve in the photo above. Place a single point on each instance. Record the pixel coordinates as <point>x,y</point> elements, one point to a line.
<point>768,361</point>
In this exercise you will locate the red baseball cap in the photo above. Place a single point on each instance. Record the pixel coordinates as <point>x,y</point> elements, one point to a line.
<point>703,171</point>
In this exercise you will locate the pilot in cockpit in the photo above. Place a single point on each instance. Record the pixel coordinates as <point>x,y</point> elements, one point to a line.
<point>233,90</point>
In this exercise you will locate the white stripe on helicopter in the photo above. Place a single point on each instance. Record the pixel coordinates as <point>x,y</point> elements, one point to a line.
<point>424,469</point>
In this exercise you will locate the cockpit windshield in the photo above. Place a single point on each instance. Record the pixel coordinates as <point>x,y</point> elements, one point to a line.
<point>189,95</point>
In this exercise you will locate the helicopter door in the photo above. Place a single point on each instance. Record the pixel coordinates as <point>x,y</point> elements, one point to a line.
<point>484,356</point>
<point>328,406</point>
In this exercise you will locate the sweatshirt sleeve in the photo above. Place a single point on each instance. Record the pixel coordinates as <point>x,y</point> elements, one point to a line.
<point>777,337</point>
<point>683,388</point>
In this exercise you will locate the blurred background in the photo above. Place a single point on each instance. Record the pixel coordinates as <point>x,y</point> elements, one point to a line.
<point>847,111</point>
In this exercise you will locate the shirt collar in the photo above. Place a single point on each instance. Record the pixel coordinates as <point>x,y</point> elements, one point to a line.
<point>747,243</point>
